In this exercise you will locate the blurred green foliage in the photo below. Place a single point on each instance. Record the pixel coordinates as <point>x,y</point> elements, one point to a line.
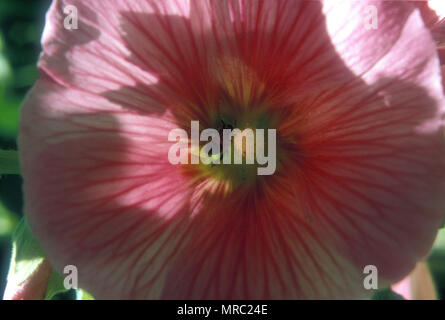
<point>21,25</point>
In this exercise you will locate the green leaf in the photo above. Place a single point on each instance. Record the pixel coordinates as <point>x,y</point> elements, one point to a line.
<point>9,110</point>
<point>5,68</point>
<point>386,294</point>
<point>29,268</point>
<point>27,255</point>
<point>83,295</point>
<point>8,222</point>
<point>439,243</point>
<point>9,162</point>
<point>55,285</point>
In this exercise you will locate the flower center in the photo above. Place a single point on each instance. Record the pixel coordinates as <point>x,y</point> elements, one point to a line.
<point>247,149</point>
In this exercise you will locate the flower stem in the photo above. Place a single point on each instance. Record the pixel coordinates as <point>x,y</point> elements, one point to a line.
<point>9,162</point>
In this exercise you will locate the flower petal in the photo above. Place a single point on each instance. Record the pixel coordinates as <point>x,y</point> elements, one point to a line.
<point>99,186</point>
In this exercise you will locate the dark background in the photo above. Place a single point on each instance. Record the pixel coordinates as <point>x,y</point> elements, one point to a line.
<point>21,25</point>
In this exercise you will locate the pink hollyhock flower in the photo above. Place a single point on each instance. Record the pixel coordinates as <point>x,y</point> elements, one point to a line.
<point>433,13</point>
<point>360,151</point>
